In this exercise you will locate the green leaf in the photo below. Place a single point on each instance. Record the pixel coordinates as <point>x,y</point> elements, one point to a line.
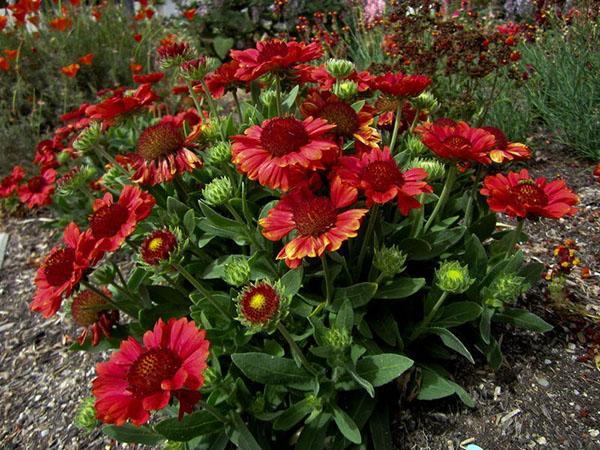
<point>292,281</point>
<point>523,319</point>
<point>386,327</point>
<point>361,381</point>
<point>381,369</point>
<point>346,425</point>
<point>267,369</point>
<point>222,45</point>
<point>457,313</point>
<point>166,295</point>
<point>345,317</point>
<point>485,325</point>
<point>291,97</point>
<point>532,272</point>
<point>241,435</point>
<point>451,341</point>
<point>189,221</point>
<point>357,106</point>
<point>379,425</point>
<point>199,423</point>
<point>475,256</point>
<point>485,226</point>
<point>133,435</point>
<point>400,288</point>
<point>313,434</point>
<point>414,247</point>
<point>434,386</point>
<point>176,207</point>
<point>358,294</point>
<point>293,415</point>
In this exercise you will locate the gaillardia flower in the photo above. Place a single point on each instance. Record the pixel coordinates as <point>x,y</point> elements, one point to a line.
<point>504,150</point>
<point>92,312</point>
<point>9,183</point>
<point>273,56</point>
<point>401,85</point>
<point>112,222</point>
<point>317,221</point>
<point>223,79</point>
<point>163,152</point>
<point>378,176</point>
<point>120,104</point>
<point>519,195</point>
<point>260,306</point>
<point>458,142</point>
<point>142,377</point>
<point>38,190</point>
<point>349,124</point>
<point>62,270</point>
<point>279,151</point>
<point>158,246</point>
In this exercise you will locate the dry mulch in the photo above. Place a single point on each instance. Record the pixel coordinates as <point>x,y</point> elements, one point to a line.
<point>544,396</point>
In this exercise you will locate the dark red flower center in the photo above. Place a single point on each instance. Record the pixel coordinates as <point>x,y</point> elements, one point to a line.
<point>160,139</point>
<point>314,216</point>
<point>501,141</point>
<point>381,175</point>
<point>272,50</point>
<point>36,184</point>
<point>283,135</point>
<point>58,266</point>
<point>259,303</point>
<point>529,193</point>
<point>158,246</point>
<point>457,144</point>
<point>151,369</point>
<point>108,220</point>
<point>87,307</point>
<point>343,116</point>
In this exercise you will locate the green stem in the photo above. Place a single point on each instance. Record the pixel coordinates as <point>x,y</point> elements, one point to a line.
<point>296,351</point>
<point>327,276</point>
<point>366,241</point>
<point>450,177</point>
<point>249,230</point>
<point>197,104</point>
<point>417,224</point>
<point>237,106</point>
<point>516,233</point>
<point>472,197</point>
<point>417,332</point>
<point>125,292</point>
<point>188,276</point>
<point>213,412</point>
<point>380,278</point>
<point>278,94</point>
<point>105,297</point>
<point>397,120</point>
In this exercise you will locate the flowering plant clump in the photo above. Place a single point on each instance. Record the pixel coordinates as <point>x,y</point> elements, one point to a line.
<point>295,250</point>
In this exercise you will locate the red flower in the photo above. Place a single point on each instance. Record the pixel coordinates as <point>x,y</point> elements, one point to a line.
<point>45,155</point>
<point>87,59</point>
<point>157,246</point>
<point>38,190</point>
<point>259,303</point>
<point>3,22</point>
<point>163,152</point>
<point>273,56</point>
<point>349,124</point>
<point>22,8</point>
<point>280,150</point>
<point>135,68</point>
<point>9,183</point>
<point>174,50</point>
<point>223,79</point>
<point>71,70</point>
<point>111,223</point>
<point>141,377</point>
<point>94,314</point>
<point>62,270</point>
<point>504,150</point>
<point>519,195</point>
<point>60,23</point>
<point>11,54</point>
<point>96,14</point>
<point>458,143</point>
<point>4,64</point>
<point>137,37</point>
<point>401,85</point>
<point>189,14</point>
<point>378,176</point>
<point>317,221</point>
<point>119,105</point>
<point>149,78</point>
<point>596,172</point>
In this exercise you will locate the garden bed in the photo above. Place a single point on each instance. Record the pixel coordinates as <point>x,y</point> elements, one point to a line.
<point>544,396</point>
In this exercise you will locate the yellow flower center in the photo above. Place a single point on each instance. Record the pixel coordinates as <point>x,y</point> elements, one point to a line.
<point>257,301</point>
<point>454,275</point>
<point>155,244</point>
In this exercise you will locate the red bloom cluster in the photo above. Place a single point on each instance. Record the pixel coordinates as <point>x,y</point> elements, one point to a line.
<point>401,85</point>
<point>121,104</point>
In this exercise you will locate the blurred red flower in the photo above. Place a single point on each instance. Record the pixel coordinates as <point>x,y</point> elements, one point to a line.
<point>189,14</point>
<point>87,59</point>
<point>9,183</point>
<point>38,190</point>
<point>61,23</point>
<point>71,70</point>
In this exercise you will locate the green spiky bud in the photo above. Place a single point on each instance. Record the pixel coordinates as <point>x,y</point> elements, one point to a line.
<point>507,287</point>
<point>218,191</point>
<point>237,271</point>
<point>173,445</point>
<point>196,69</point>
<point>434,168</point>
<point>339,68</point>
<point>338,339</point>
<point>426,102</point>
<point>88,137</point>
<point>453,278</point>
<point>389,260</point>
<point>85,416</point>
<point>258,404</point>
<point>63,157</point>
<point>268,97</point>
<point>415,146</point>
<point>76,178</point>
<point>346,89</point>
<point>219,153</point>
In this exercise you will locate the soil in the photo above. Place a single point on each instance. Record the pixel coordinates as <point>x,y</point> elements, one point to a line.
<point>546,394</point>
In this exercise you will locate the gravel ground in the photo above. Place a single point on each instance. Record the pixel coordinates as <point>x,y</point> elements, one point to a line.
<point>544,396</point>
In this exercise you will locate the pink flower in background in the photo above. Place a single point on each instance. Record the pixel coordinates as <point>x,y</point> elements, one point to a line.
<point>374,10</point>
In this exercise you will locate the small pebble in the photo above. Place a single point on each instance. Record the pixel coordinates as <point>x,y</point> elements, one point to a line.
<point>543,382</point>
<point>594,433</point>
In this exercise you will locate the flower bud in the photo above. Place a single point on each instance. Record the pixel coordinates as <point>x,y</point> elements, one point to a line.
<point>261,306</point>
<point>63,157</point>
<point>218,191</point>
<point>88,137</point>
<point>389,261</point>
<point>346,89</point>
<point>415,146</point>
<point>268,97</point>
<point>339,68</point>
<point>85,416</point>
<point>507,287</point>
<point>219,153</point>
<point>338,339</point>
<point>426,102</point>
<point>196,69</point>
<point>434,168</point>
<point>453,278</point>
<point>158,246</point>
<point>237,272</point>
<point>172,54</point>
